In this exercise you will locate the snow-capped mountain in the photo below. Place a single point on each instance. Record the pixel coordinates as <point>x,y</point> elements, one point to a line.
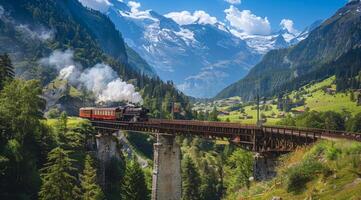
<point>200,58</point>
<point>281,39</point>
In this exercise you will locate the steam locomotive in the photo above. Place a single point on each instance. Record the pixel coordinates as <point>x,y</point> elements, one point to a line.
<point>127,113</point>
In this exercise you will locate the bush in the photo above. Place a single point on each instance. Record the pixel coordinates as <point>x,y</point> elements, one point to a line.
<point>354,124</point>
<point>332,153</point>
<point>53,113</point>
<point>299,175</point>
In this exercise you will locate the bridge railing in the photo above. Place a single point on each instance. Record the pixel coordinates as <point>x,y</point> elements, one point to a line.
<point>322,133</point>
<point>204,123</point>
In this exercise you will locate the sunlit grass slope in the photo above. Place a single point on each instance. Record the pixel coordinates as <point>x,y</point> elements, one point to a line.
<point>329,170</point>
<point>315,99</point>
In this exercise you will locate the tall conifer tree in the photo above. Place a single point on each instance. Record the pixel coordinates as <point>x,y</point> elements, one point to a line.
<point>89,186</point>
<point>190,180</point>
<point>134,186</point>
<point>58,183</point>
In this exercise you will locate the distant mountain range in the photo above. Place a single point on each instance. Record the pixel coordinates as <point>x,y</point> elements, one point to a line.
<point>201,59</point>
<point>333,48</point>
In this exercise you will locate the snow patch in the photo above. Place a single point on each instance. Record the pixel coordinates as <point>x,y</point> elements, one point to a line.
<point>186,34</point>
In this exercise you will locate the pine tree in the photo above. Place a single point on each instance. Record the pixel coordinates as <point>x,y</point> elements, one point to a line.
<point>6,69</point>
<point>239,168</point>
<point>90,189</point>
<point>190,180</point>
<point>209,184</point>
<point>352,96</point>
<point>213,116</point>
<point>58,182</point>
<point>134,186</point>
<point>63,123</point>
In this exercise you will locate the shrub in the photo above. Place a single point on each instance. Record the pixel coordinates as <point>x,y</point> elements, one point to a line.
<point>299,175</point>
<point>53,113</point>
<point>332,153</point>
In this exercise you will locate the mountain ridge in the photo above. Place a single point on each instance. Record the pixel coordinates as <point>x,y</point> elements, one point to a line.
<point>186,53</point>
<point>311,59</point>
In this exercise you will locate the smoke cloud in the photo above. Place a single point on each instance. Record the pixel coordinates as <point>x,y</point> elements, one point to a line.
<point>35,32</point>
<point>40,33</point>
<point>2,11</point>
<point>59,59</point>
<point>101,79</point>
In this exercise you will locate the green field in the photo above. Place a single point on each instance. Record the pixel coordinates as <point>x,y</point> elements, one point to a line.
<point>316,99</point>
<point>72,122</point>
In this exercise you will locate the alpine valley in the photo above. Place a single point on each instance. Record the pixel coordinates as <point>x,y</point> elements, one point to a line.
<point>202,57</point>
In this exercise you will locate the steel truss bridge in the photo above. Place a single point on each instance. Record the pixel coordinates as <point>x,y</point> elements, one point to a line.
<point>265,139</point>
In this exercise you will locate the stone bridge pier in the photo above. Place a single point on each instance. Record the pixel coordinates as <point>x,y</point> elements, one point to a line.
<point>106,149</point>
<point>167,182</point>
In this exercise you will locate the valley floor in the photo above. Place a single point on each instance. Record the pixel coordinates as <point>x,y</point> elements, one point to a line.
<point>320,97</point>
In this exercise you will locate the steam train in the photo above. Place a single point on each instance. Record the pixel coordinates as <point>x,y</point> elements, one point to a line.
<point>127,113</point>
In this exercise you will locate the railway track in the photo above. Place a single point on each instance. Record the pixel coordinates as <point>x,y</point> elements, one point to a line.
<point>261,139</point>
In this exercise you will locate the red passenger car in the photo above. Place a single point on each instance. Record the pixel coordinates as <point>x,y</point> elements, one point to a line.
<point>126,113</point>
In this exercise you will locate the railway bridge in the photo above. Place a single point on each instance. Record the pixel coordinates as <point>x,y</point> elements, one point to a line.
<point>265,140</point>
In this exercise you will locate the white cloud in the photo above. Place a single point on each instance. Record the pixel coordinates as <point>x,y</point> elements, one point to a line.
<point>101,5</point>
<point>185,17</point>
<point>288,25</point>
<point>136,13</point>
<point>233,1</point>
<point>247,22</point>
<point>2,11</point>
<point>134,6</point>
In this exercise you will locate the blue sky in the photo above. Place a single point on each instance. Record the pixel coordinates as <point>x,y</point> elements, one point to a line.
<point>301,12</point>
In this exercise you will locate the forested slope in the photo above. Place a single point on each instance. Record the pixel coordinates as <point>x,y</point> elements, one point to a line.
<point>33,30</point>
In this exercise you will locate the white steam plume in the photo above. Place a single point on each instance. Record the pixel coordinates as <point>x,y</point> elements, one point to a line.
<point>101,79</point>
<point>40,33</point>
<point>59,59</point>
<point>2,11</point>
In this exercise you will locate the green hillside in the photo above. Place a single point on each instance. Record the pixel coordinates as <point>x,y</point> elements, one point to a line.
<point>331,49</point>
<point>328,170</point>
<point>315,96</point>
